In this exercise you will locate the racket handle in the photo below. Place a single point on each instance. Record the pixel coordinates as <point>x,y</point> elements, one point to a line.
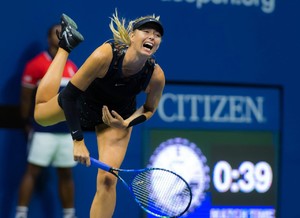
<point>100,165</point>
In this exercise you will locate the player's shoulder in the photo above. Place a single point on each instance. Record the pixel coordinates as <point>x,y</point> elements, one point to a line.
<point>158,69</point>
<point>102,53</point>
<point>158,75</point>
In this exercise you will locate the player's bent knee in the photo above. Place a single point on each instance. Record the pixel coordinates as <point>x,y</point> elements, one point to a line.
<point>47,115</point>
<point>39,120</point>
<point>107,181</point>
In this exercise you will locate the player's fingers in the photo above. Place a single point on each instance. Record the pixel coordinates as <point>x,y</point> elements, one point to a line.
<point>88,162</point>
<point>116,115</point>
<point>104,115</point>
<point>107,113</point>
<point>83,160</point>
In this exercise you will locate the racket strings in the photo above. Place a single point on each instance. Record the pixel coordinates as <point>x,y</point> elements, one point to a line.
<point>161,192</point>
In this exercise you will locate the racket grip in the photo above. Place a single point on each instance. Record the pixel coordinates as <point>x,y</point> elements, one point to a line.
<point>99,164</point>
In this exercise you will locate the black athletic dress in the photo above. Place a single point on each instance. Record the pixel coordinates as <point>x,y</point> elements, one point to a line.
<point>114,90</point>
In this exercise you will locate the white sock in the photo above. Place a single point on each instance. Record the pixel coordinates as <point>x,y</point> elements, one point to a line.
<point>21,212</point>
<point>69,213</point>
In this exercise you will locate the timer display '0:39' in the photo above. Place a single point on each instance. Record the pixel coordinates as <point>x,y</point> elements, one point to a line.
<point>243,175</point>
<point>247,178</point>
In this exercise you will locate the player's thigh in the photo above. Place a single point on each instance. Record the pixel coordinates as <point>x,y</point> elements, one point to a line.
<point>112,144</point>
<point>49,113</point>
<point>42,149</point>
<point>64,154</point>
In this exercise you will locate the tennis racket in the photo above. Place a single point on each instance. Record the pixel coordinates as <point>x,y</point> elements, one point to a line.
<point>159,192</point>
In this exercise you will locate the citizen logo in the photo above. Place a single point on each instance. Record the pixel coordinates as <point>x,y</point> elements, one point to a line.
<point>211,108</point>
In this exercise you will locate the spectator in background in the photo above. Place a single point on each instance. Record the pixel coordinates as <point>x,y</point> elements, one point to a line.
<point>47,145</point>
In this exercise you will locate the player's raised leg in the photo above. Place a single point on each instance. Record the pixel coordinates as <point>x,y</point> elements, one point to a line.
<point>69,38</point>
<point>47,111</point>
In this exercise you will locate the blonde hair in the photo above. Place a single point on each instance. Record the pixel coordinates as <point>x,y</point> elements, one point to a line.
<point>121,33</point>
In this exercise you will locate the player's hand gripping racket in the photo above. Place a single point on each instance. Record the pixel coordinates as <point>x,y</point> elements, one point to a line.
<point>159,192</point>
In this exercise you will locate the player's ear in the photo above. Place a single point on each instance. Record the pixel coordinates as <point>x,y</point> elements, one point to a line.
<point>132,34</point>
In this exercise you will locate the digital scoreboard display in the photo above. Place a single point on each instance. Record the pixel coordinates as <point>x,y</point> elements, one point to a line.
<point>224,141</point>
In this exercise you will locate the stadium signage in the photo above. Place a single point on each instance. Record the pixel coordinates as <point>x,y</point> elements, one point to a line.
<point>266,6</point>
<point>211,108</point>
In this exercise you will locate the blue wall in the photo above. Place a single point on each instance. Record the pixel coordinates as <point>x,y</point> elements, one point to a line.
<point>229,41</point>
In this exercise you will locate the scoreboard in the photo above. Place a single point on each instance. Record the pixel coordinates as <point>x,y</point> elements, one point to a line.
<point>224,140</point>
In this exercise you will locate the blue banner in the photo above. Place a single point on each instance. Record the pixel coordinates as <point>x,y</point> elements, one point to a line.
<point>218,106</point>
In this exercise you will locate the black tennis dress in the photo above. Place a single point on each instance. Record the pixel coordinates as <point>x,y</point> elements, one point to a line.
<point>113,90</point>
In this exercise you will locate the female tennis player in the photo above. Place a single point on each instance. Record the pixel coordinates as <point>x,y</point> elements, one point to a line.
<point>101,96</point>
